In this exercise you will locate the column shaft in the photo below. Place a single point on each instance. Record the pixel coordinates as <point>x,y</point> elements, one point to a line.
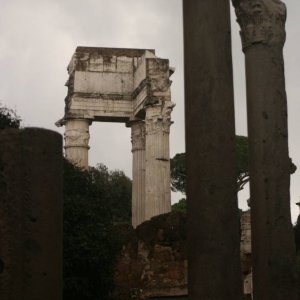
<point>138,172</point>
<point>263,37</point>
<point>31,215</point>
<point>213,218</point>
<point>272,234</point>
<point>158,192</point>
<point>77,141</point>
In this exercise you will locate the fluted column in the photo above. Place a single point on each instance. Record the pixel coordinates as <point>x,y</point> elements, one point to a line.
<point>158,192</point>
<point>138,172</point>
<point>263,36</point>
<point>77,141</point>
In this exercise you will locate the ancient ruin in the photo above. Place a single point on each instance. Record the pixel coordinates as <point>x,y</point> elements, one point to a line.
<point>130,86</point>
<point>153,261</point>
<point>263,36</point>
<point>213,217</point>
<point>31,215</point>
<point>210,159</point>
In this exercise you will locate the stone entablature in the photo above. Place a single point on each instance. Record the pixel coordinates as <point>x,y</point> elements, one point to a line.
<point>112,84</point>
<point>130,86</point>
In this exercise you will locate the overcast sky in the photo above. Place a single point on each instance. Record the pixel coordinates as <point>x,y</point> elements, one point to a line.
<point>38,38</point>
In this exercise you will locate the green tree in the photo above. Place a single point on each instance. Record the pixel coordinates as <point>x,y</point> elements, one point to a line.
<point>120,196</point>
<point>178,173</point>
<point>180,206</point>
<point>93,200</point>
<point>8,118</point>
<point>242,161</point>
<point>87,223</point>
<point>178,170</point>
<point>178,167</point>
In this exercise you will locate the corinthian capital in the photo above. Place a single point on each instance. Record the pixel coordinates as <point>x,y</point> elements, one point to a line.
<point>157,125</point>
<point>261,21</point>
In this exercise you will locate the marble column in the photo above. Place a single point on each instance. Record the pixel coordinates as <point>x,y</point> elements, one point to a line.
<point>138,172</point>
<point>157,176</point>
<point>77,141</point>
<point>213,219</point>
<point>262,25</point>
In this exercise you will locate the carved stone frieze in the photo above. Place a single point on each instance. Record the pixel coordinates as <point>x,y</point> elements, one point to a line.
<point>261,21</point>
<point>77,138</point>
<point>138,136</point>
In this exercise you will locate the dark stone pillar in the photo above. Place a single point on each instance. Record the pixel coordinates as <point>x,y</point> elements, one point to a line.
<point>213,219</point>
<point>263,36</point>
<point>31,206</point>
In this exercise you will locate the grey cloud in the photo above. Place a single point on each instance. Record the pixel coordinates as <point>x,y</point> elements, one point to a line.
<point>38,38</point>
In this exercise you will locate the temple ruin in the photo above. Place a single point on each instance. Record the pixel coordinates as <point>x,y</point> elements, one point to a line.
<point>130,86</point>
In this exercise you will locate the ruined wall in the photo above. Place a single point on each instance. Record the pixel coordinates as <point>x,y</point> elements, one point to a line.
<point>153,261</point>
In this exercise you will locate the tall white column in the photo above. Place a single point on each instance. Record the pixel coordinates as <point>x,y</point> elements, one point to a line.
<point>138,172</point>
<point>77,141</point>
<point>158,192</point>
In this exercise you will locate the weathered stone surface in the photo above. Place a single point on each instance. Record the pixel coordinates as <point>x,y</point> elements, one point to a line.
<point>138,172</point>
<point>261,21</point>
<point>153,262</point>
<point>246,253</point>
<point>131,86</point>
<point>263,31</point>
<point>77,141</point>
<point>157,172</point>
<point>111,84</point>
<point>213,220</point>
<point>30,215</point>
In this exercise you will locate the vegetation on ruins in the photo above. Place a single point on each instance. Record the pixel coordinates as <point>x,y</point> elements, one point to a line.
<point>8,118</point>
<point>97,199</point>
<point>93,201</point>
